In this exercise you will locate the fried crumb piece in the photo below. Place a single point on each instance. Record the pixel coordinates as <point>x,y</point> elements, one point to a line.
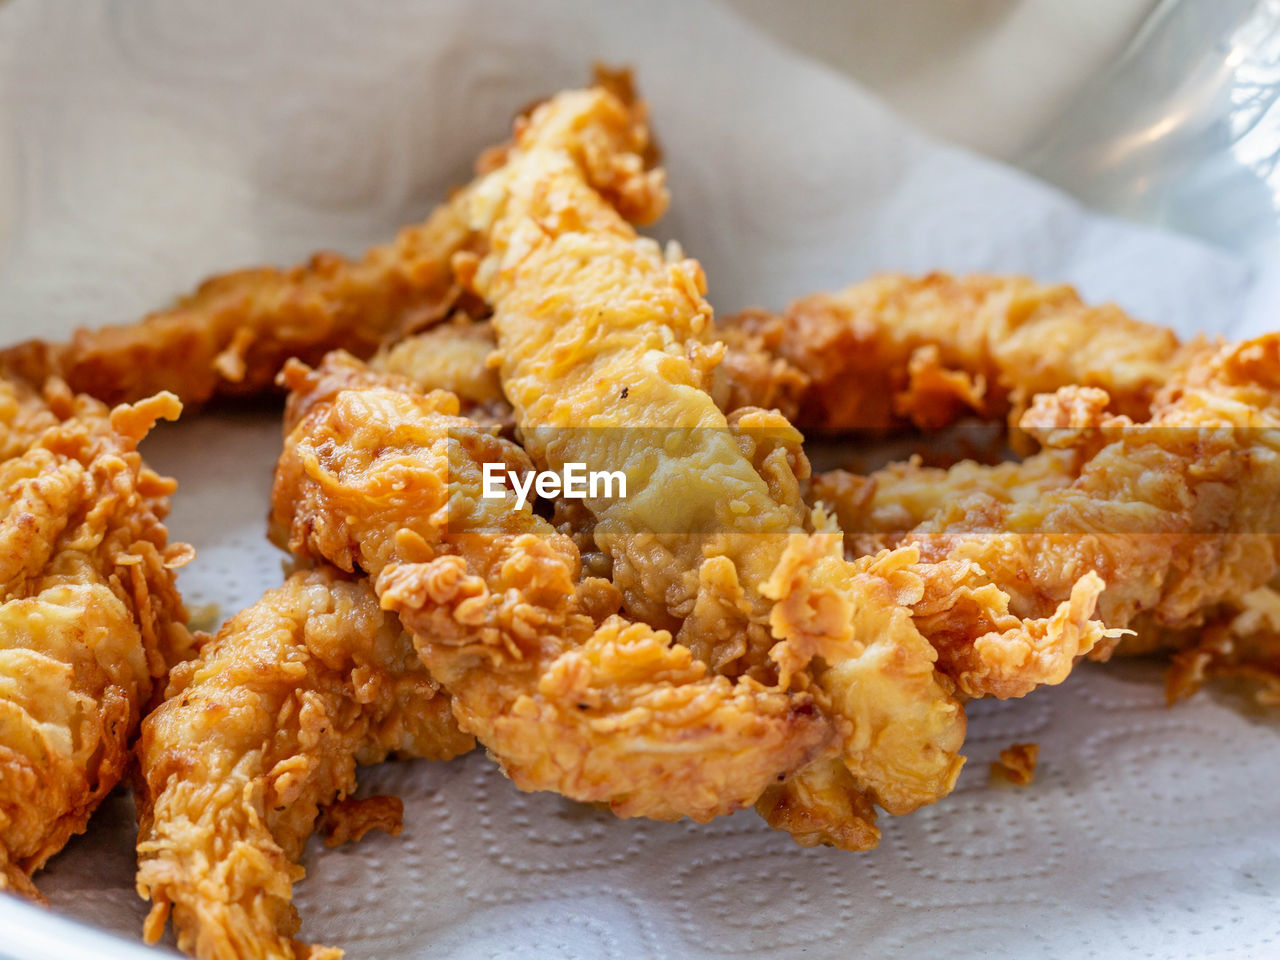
<point>1017,764</point>
<point>349,819</point>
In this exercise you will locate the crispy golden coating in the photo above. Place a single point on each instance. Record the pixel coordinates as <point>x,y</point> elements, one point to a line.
<point>563,695</point>
<point>600,333</point>
<point>1176,516</point>
<point>871,509</point>
<point>416,369</point>
<point>24,416</point>
<point>822,805</point>
<point>928,350</point>
<point>570,359</point>
<point>256,736</point>
<point>233,334</point>
<point>454,357</point>
<point>901,726</point>
<point>89,616</point>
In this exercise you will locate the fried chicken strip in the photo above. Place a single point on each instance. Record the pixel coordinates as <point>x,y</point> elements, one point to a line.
<point>89,615</point>
<point>928,350</point>
<point>231,336</point>
<point>1177,516</point>
<point>565,696</point>
<point>607,356</point>
<point>256,736</point>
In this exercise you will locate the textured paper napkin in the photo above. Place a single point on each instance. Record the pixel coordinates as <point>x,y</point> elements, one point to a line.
<point>150,143</point>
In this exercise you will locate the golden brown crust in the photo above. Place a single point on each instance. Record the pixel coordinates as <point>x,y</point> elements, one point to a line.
<point>349,819</point>
<point>256,737</point>
<point>1241,641</point>
<point>753,373</point>
<point>89,614</point>
<point>456,357</point>
<point>897,350</point>
<point>822,806</point>
<point>232,335</point>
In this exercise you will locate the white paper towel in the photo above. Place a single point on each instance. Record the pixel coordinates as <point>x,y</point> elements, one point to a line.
<point>147,144</point>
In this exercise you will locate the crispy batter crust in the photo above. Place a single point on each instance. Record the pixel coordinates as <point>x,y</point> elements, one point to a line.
<point>89,615</point>
<point>1240,641</point>
<point>232,335</point>
<point>256,737</point>
<point>927,350</point>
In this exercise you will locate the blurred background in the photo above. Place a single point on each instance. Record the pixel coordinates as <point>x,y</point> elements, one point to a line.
<point>990,74</point>
<point>1164,111</point>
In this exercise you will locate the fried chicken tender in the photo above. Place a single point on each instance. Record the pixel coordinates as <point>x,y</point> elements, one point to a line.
<point>231,336</point>
<point>928,350</point>
<point>607,356</point>
<point>24,416</point>
<point>418,365</point>
<point>256,737</point>
<point>90,619</point>
<point>564,695</point>
<point>1177,516</point>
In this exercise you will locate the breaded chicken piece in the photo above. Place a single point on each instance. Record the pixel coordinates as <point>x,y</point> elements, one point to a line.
<point>255,738</point>
<point>564,695</point>
<point>231,336</point>
<point>25,415</point>
<point>89,615</point>
<point>928,350</point>
<point>1177,516</point>
<point>886,623</point>
<point>607,356</point>
<point>902,495</point>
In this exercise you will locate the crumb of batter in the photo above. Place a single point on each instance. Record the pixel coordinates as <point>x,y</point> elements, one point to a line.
<point>1017,764</point>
